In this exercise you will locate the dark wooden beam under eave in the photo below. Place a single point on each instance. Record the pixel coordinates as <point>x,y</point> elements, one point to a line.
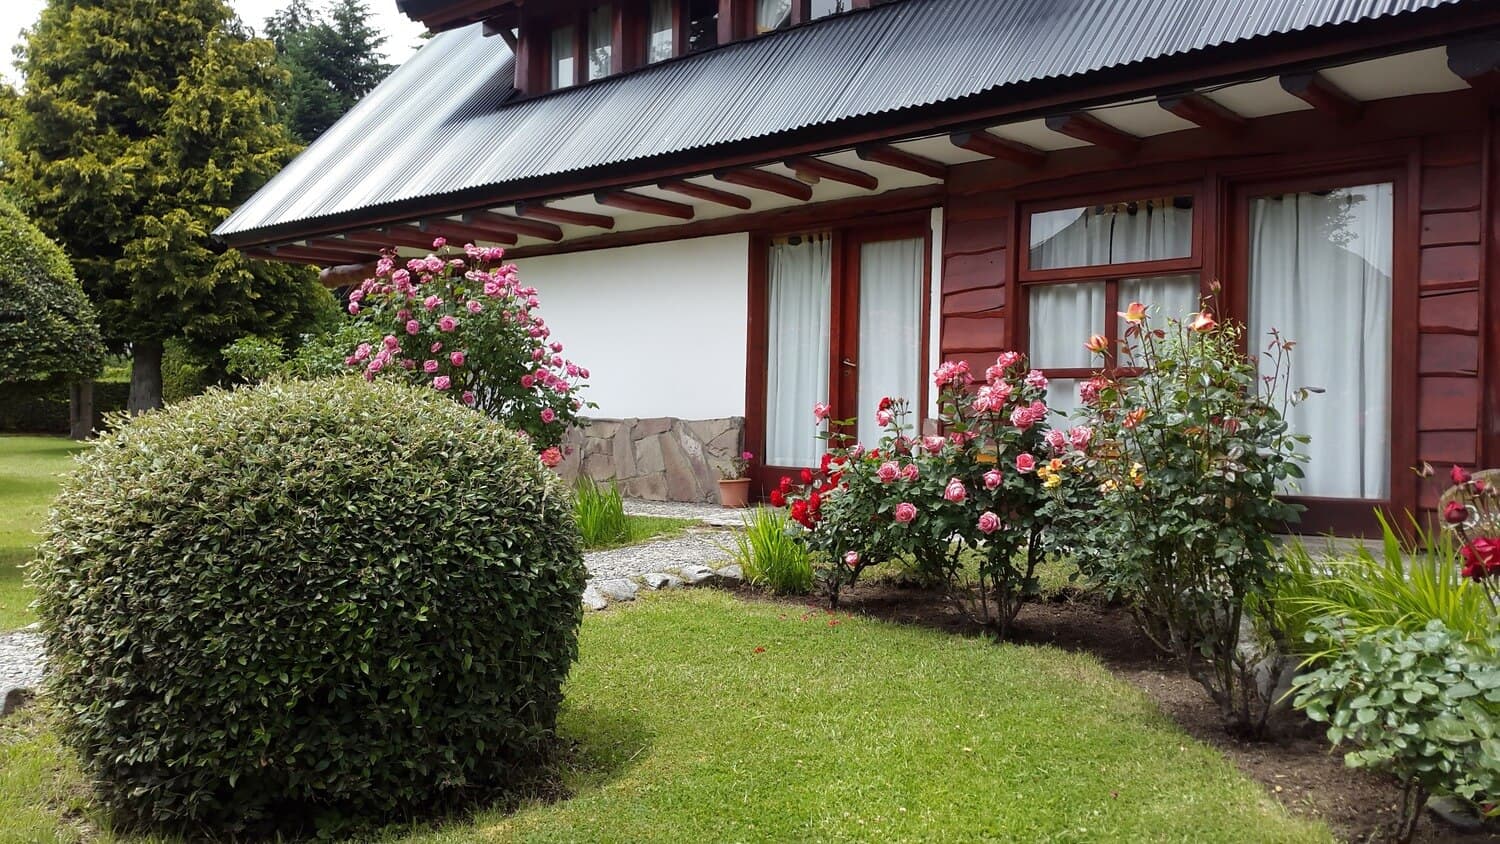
<point>809,168</point>
<point>345,275</point>
<point>335,244</point>
<point>458,233</point>
<point>644,204</point>
<point>513,225</point>
<point>541,211</point>
<point>406,236</point>
<point>706,194</point>
<point>1090,129</point>
<point>1315,90</point>
<point>999,148</point>
<point>1205,113</point>
<point>1477,63</point>
<point>757,179</point>
<point>899,158</point>
<point>308,255</point>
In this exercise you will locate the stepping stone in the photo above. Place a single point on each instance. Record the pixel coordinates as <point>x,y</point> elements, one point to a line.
<point>593,600</point>
<point>694,574</point>
<point>661,580</point>
<point>617,589</point>
<point>14,698</point>
<point>730,575</point>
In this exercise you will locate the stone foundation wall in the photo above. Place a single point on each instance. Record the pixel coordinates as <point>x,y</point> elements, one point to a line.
<point>660,459</point>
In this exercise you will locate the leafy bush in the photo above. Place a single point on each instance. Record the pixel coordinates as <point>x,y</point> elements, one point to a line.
<point>49,332</point>
<point>1422,705</point>
<point>254,359</point>
<point>1193,449</point>
<point>465,326</point>
<point>1411,584</point>
<point>770,555</point>
<point>185,372</point>
<point>308,598</point>
<point>600,513</point>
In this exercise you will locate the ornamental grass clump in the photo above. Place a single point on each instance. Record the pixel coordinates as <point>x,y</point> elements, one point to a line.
<point>305,602</point>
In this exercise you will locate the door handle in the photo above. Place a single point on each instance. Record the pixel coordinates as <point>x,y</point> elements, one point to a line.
<point>849,363</point>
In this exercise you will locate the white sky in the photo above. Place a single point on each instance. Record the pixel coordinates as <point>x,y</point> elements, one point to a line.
<point>402,35</point>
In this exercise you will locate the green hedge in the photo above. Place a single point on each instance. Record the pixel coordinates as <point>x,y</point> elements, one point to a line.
<point>306,600</point>
<point>44,410</point>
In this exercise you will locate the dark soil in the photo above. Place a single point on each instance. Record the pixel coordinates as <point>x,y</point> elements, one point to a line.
<point>1297,766</point>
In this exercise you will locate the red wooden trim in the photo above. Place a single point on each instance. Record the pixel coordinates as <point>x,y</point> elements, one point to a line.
<point>368,239</point>
<point>644,204</point>
<point>801,11</point>
<point>1489,297</point>
<point>769,182</point>
<point>817,168</point>
<point>406,236</point>
<point>461,233</point>
<point>794,218</point>
<point>1315,90</point>
<point>311,255</point>
<point>680,28</point>
<point>542,211</point>
<point>513,225</point>
<point>757,347</point>
<point>581,46</point>
<point>1200,110</point>
<point>1004,149</point>
<point>895,157</point>
<point>339,245</point>
<point>1086,127</point>
<point>706,194</point>
<point>1478,64</point>
<point>1103,272</point>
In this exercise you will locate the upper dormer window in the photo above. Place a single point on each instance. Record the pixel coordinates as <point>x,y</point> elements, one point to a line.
<point>661,31</point>
<point>564,65</point>
<point>703,24</point>
<point>601,41</point>
<point>824,8</point>
<point>771,15</point>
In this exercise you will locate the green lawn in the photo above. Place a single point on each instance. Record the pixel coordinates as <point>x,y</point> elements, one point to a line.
<point>29,469</point>
<point>698,717</point>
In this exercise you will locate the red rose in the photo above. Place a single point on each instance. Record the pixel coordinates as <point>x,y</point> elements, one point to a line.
<point>777,498</point>
<point>807,476</point>
<point>1455,512</point>
<point>1459,475</point>
<point>827,458</point>
<point>1481,557</point>
<point>885,403</point>
<point>799,514</point>
<point>786,484</point>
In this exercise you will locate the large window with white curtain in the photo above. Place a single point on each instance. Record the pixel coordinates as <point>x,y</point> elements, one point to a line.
<point>799,272</point>
<point>1320,274</point>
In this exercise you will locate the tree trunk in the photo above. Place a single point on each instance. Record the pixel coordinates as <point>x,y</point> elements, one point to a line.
<point>81,409</point>
<point>145,377</point>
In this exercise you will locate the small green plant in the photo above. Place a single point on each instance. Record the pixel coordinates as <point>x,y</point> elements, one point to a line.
<point>254,359</point>
<point>771,555</point>
<point>600,512</point>
<point>1423,705</point>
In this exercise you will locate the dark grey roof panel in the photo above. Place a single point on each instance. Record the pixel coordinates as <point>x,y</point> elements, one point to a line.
<point>442,124</point>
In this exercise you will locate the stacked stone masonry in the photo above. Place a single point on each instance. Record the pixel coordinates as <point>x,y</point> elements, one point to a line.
<point>660,459</point>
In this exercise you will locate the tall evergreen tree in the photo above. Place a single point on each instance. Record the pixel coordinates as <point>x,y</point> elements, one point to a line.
<point>141,125</point>
<point>333,58</point>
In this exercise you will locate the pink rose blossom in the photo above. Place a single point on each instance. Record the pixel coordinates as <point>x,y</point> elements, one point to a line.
<point>549,415</point>
<point>856,450</point>
<point>413,327</point>
<point>989,522</point>
<point>1006,360</point>
<point>1081,436</point>
<point>408,363</point>
<point>955,491</point>
<point>376,364</point>
<point>401,277</point>
<point>820,411</point>
<point>447,323</point>
<point>992,479</point>
<point>851,559</point>
<point>1057,440</point>
<point>1021,418</point>
<point>390,342</point>
<point>431,303</point>
<point>429,366</point>
<point>1036,379</point>
<point>527,381</point>
<point>354,309</point>
<point>551,457</point>
<point>474,306</point>
<point>436,347</point>
<point>887,471</point>
<point>442,382</point>
<point>363,352</point>
<point>439,242</point>
<point>469,398</point>
<point>882,418</point>
<point>910,472</point>
<point>905,512</point>
<point>457,358</point>
<point>933,443</point>
<point>1025,463</point>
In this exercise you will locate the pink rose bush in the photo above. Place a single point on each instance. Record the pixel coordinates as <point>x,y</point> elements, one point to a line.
<point>934,498</point>
<point>466,326</point>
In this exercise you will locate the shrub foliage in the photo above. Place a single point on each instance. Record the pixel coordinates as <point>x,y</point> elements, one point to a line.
<point>305,599</point>
<point>48,331</point>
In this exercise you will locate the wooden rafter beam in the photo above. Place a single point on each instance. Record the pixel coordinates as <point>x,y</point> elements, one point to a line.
<point>460,233</point>
<point>1477,63</point>
<point>894,157</point>
<point>343,275</point>
<point>644,204</point>
<point>1201,111</point>
<point>1315,90</point>
<point>1090,129</point>
<point>540,211</point>
<point>706,194</point>
<point>996,147</point>
<point>371,240</point>
<point>334,244</point>
<point>513,225</point>
<point>811,169</point>
<point>756,179</point>
<point>406,236</point>
<point>305,254</point>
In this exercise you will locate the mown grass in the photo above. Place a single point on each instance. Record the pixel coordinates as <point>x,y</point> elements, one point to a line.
<point>29,471</point>
<point>755,722</point>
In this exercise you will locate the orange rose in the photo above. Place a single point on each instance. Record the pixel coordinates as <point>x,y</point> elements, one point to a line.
<point>1136,312</point>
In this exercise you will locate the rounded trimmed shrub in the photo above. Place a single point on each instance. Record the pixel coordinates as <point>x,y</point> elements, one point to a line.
<point>308,600</point>
<point>48,330</point>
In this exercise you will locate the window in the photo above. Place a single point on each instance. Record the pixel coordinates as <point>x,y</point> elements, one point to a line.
<point>703,24</point>
<point>601,41</point>
<point>1073,286</point>
<point>800,287</point>
<point>563,66</point>
<point>771,15</point>
<point>824,8</point>
<point>660,33</point>
<point>1320,273</point>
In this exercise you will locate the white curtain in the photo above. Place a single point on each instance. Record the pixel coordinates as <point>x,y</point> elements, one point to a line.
<point>562,57</point>
<point>801,282</point>
<point>890,328</point>
<point>1320,273</point>
<point>1147,230</point>
<point>1166,297</point>
<point>601,41</point>
<point>1062,316</point>
<point>659,40</point>
<point>772,14</point>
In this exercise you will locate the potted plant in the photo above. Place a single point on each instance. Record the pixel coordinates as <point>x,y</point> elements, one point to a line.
<point>734,487</point>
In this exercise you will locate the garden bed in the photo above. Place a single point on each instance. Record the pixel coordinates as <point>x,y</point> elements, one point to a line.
<point>1297,767</point>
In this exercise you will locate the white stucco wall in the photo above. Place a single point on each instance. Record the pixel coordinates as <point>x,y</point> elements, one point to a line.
<point>661,327</point>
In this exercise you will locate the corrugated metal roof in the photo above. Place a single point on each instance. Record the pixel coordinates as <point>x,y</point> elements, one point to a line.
<point>441,123</point>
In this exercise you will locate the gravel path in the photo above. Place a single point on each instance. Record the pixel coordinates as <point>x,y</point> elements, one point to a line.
<point>20,660</point>
<point>709,514</point>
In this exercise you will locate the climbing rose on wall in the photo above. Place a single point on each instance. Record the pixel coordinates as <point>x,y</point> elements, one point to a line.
<point>466,327</point>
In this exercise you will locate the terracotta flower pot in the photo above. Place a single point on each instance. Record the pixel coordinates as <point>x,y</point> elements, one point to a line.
<point>734,492</point>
